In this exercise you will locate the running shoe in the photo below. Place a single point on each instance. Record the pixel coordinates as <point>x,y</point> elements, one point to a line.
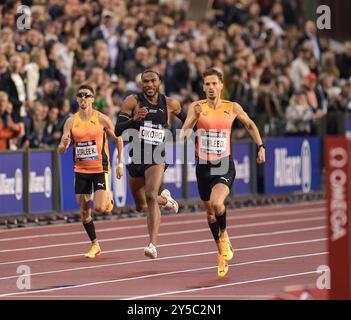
<point>150,251</point>
<point>94,251</point>
<point>222,266</point>
<point>171,204</point>
<point>225,247</point>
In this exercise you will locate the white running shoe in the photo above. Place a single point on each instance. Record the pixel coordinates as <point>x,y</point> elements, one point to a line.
<point>171,204</point>
<point>150,251</point>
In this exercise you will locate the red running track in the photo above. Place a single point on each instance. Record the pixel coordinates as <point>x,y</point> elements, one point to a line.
<point>275,247</point>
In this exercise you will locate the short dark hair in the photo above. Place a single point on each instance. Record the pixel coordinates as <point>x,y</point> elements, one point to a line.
<point>87,87</point>
<point>150,71</point>
<point>213,72</point>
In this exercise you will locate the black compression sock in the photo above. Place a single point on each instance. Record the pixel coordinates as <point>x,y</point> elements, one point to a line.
<point>90,229</point>
<point>222,220</point>
<point>215,230</point>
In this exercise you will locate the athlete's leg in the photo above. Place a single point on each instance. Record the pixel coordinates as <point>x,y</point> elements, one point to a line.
<point>137,188</point>
<point>153,181</point>
<point>84,201</point>
<point>103,200</point>
<point>218,195</point>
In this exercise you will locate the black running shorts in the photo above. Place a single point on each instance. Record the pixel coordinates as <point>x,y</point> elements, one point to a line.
<point>85,182</point>
<point>207,177</point>
<point>138,170</point>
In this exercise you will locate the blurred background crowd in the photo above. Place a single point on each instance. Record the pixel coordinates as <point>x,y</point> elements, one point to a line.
<point>275,64</point>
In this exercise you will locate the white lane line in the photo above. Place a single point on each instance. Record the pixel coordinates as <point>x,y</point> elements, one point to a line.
<point>89,284</point>
<point>229,218</point>
<point>284,276</point>
<point>238,215</point>
<point>263,234</point>
<point>170,257</point>
<point>246,225</point>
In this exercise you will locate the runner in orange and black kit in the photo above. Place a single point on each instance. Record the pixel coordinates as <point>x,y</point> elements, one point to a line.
<point>215,171</point>
<point>88,129</point>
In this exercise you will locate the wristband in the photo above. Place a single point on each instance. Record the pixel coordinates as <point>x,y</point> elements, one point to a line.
<point>120,165</point>
<point>261,146</point>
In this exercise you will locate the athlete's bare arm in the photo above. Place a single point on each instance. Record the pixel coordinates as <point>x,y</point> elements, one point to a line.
<point>252,129</point>
<point>129,105</point>
<point>130,114</point>
<point>173,106</point>
<point>66,136</point>
<point>108,126</point>
<point>194,112</point>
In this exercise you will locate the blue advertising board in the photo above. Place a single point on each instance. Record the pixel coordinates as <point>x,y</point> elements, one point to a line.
<point>11,183</point>
<point>348,125</point>
<point>172,178</point>
<point>40,181</point>
<point>191,170</point>
<point>120,187</point>
<point>292,164</point>
<point>241,156</point>
<point>68,198</point>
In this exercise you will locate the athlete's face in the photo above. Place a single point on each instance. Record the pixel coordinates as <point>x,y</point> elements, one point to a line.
<point>150,84</point>
<point>212,87</point>
<point>85,98</point>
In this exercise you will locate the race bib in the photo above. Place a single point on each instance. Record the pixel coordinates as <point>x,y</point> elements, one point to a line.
<point>86,150</point>
<point>213,142</point>
<point>151,134</point>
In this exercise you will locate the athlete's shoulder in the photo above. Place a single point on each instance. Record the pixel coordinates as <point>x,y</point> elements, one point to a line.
<point>227,102</point>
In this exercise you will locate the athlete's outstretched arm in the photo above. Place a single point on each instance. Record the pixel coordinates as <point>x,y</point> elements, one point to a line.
<point>125,118</point>
<point>252,129</point>
<point>108,126</point>
<point>66,136</point>
<point>194,112</point>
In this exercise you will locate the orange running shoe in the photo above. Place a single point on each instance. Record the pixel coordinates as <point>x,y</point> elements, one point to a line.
<point>222,266</point>
<point>94,251</point>
<point>225,247</point>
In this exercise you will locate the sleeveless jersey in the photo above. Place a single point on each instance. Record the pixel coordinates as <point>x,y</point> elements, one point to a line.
<point>90,151</point>
<point>152,127</point>
<point>214,131</point>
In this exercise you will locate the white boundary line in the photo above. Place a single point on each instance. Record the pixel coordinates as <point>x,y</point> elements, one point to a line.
<point>167,293</point>
<point>246,225</point>
<point>285,231</point>
<point>237,211</point>
<point>166,258</point>
<point>89,284</point>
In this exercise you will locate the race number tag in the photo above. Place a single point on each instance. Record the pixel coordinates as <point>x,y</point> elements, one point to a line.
<point>213,142</point>
<point>151,134</point>
<point>87,150</point>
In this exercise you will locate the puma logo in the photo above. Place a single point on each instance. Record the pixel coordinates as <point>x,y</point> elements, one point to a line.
<point>226,179</point>
<point>227,112</point>
<point>92,122</point>
<point>101,184</point>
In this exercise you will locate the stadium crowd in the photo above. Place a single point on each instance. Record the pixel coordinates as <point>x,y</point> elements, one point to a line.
<point>275,64</point>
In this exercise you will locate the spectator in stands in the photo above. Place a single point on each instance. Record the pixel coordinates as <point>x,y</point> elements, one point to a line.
<point>8,128</point>
<point>14,83</point>
<point>300,66</point>
<point>299,116</point>
<point>344,61</point>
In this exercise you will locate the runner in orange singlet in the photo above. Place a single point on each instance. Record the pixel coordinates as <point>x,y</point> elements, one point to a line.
<point>88,129</point>
<point>215,171</point>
